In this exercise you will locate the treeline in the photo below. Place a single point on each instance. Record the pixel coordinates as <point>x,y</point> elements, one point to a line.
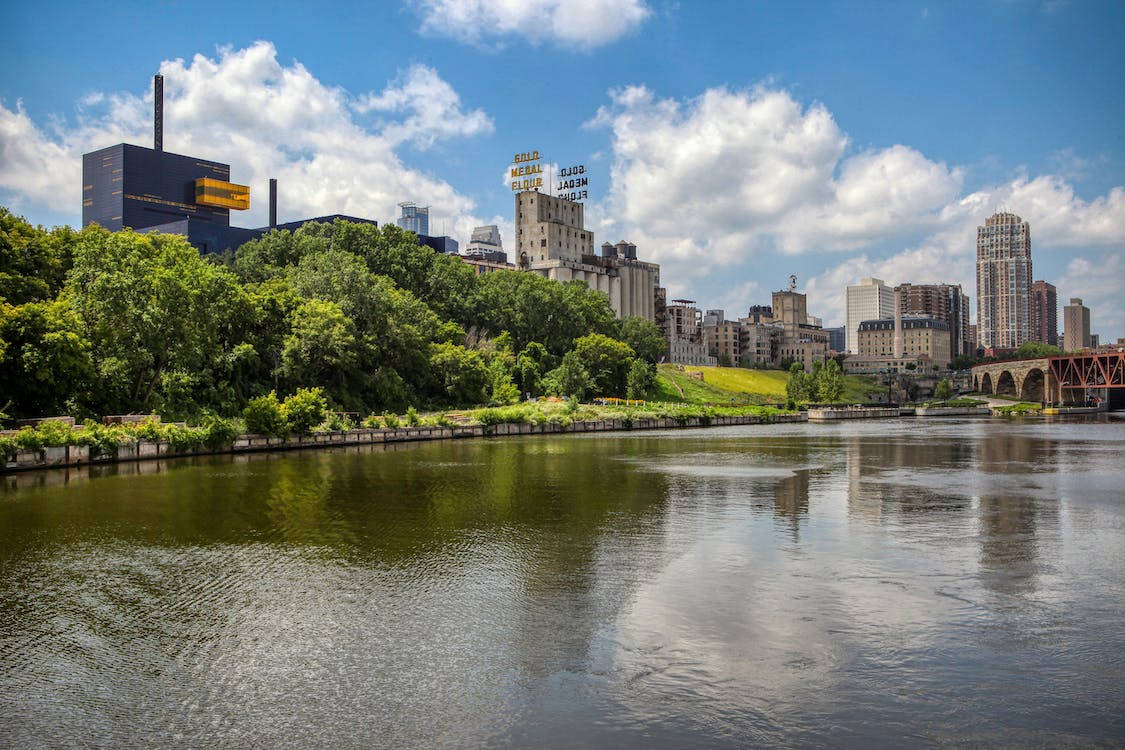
<point>94,322</point>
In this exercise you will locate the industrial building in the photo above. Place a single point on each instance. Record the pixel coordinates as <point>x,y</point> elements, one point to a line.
<point>552,241</point>
<point>684,332</point>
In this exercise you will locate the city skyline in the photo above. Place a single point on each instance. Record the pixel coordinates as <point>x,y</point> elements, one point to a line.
<point>872,190</point>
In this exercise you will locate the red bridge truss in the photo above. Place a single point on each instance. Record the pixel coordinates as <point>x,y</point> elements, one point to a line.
<point>1094,370</point>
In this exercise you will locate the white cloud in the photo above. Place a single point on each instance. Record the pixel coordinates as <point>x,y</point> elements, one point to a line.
<point>434,109</point>
<point>1100,283</point>
<point>712,184</point>
<point>582,23</point>
<point>268,120</point>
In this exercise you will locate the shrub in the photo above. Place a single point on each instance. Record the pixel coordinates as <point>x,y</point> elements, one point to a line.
<point>183,439</point>
<point>218,432</point>
<point>390,420</point>
<point>263,416</point>
<point>372,422</point>
<point>7,448</point>
<point>56,433</point>
<point>150,430</point>
<point>304,410</point>
<point>29,439</point>
<point>412,417</point>
<point>103,440</point>
<point>335,422</point>
<point>503,415</point>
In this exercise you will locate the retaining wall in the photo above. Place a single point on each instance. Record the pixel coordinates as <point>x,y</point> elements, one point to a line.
<point>952,411</point>
<point>75,455</point>
<point>826,415</point>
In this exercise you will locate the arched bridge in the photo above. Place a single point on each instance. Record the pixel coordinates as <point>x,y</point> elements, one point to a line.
<point>1053,380</point>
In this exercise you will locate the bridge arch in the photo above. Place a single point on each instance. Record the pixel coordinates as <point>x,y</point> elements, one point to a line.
<point>986,385</point>
<point>1006,384</point>
<point>1034,385</point>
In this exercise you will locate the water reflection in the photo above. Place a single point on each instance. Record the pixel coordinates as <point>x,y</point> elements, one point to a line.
<point>856,585</point>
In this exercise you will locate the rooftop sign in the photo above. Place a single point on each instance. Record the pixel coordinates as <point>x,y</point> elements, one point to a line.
<point>527,172</point>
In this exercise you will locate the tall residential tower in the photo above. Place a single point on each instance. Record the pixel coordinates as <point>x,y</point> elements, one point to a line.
<point>1003,282</point>
<point>1045,313</point>
<point>870,299</point>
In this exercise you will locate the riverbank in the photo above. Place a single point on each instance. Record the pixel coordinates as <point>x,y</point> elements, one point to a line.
<point>142,450</point>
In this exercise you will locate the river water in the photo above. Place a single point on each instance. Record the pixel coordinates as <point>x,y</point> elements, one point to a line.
<point>866,584</point>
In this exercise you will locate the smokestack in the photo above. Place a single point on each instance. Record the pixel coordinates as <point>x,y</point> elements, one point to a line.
<point>898,325</point>
<point>273,202</point>
<point>158,112</point>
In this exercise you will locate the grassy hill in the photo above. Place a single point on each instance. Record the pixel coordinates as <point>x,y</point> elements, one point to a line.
<point>725,385</point>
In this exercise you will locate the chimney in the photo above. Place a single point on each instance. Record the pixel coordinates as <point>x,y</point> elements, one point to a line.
<point>898,325</point>
<point>273,202</point>
<point>158,112</point>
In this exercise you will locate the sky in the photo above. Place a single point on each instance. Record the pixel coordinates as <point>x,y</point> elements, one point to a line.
<point>734,143</point>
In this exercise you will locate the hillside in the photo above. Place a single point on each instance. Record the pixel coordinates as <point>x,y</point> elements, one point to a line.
<point>724,385</point>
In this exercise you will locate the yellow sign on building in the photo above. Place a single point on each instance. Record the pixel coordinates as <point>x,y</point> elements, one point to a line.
<point>210,192</point>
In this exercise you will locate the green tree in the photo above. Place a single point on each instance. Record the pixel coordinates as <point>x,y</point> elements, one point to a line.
<point>45,363</point>
<point>531,365</point>
<point>33,261</point>
<point>263,416</point>
<point>607,362</point>
<point>944,390</point>
<point>829,381</point>
<point>569,379</point>
<point>462,374</point>
<point>798,389</point>
<point>150,305</point>
<point>645,338</point>
<point>642,376</point>
<point>1037,349</point>
<point>322,348</point>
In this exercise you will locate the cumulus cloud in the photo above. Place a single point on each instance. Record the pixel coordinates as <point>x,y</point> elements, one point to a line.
<point>433,109</point>
<point>1098,281</point>
<point>713,183</point>
<point>583,23</point>
<point>269,120</point>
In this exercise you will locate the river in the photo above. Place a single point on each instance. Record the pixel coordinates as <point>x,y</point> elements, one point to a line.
<point>884,583</point>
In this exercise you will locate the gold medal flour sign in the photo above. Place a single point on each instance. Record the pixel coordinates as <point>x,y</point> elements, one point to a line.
<point>527,172</point>
<point>572,183</point>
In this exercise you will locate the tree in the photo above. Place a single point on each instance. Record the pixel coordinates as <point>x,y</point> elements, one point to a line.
<point>642,376</point>
<point>322,349</point>
<point>829,382</point>
<point>1037,349</point>
<point>645,338</point>
<point>150,305</point>
<point>944,390</point>
<point>531,364</point>
<point>304,410</point>
<point>33,261</point>
<point>263,416</point>
<point>607,363</point>
<point>797,389</point>
<point>724,360</point>
<point>569,379</point>
<point>45,363</point>
<point>462,375</point>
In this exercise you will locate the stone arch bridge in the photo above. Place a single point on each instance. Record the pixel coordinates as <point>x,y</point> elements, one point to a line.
<point>1026,379</point>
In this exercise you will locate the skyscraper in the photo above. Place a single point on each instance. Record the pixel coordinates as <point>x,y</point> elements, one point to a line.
<point>942,301</point>
<point>1076,325</point>
<point>414,218</point>
<point>1003,281</point>
<point>870,299</point>
<point>1044,313</point>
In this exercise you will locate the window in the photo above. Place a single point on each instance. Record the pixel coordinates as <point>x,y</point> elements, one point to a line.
<point>542,243</point>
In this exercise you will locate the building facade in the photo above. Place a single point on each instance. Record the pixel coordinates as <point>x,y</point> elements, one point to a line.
<point>800,340</point>
<point>870,299</point>
<point>1003,282</point>
<point>485,244</point>
<point>921,337</point>
<point>414,218</point>
<point>552,241</point>
<point>1076,326</point>
<point>837,339</point>
<point>1044,313</point>
<point>684,333</point>
<point>942,301</point>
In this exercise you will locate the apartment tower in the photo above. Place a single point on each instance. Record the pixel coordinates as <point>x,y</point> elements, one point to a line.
<point>1003,282</point>
<point>1045,313</point>
<point>1076,326</point>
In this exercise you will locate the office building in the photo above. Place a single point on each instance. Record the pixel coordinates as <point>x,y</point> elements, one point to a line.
<point>484,244</point>
<point>942,301</point>
<point>1003,282</point>
<point>921,337</point>
<point>1076,326</point>
<point>837,339</point>
<point>1044,313</point>
<point>552,241</point>
<point>414,218</point>
<point>800,340</point>
<point>870,299</point>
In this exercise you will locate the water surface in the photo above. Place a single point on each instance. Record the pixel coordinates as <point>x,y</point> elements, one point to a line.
<point>866,584</point>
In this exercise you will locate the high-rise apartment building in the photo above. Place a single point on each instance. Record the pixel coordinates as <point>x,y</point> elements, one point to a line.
<point>414,218</point>
<point>1076,325</point>
<point>1003,281</point>
<point>870,299</point>
<point>1044,313</point>
<point>942,301</point>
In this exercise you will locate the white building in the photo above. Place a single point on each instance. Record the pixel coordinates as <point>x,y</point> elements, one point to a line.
<point>485,244</point>
<point>870,299</point>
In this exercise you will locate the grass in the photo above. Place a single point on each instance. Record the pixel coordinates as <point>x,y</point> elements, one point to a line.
<point>726,385</point>
<point>1024,407</point>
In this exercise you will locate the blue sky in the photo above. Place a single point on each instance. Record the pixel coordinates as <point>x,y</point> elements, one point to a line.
<point>734,143</point>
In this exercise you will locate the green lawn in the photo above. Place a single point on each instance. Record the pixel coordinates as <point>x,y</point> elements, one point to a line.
<point>722,384</point>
